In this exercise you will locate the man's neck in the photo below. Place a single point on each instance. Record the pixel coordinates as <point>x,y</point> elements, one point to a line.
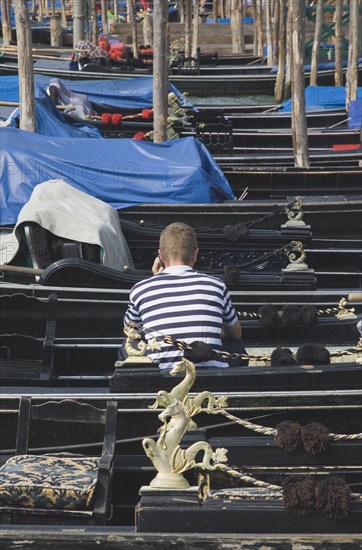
<point>173,263</point>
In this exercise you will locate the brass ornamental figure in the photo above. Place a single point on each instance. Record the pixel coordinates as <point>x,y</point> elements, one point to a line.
<point>169,459</point>
<point>181,391</point>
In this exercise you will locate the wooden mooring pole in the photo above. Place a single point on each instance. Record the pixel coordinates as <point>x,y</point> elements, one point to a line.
<point>25,64</point>
<point>56,31</point>
<point>338,32</point>
<point>5,23</point>
<point>299,120</point>
<point>316,43</point>
<point>353,52</point>
<point>132,21</point>
<point>78,21</point>
<point>160,70</point>
<point>279,83</point>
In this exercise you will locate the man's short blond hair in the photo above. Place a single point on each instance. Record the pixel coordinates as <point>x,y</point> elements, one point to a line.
<point>178,241</point>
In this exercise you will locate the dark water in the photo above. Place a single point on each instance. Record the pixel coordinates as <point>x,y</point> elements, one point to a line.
<point>232,100</point>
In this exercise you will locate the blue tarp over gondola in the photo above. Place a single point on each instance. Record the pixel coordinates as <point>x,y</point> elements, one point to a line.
<point>133,93</point>
<point>121,172</point>
<point>50,122</point>
<point>323,97</point>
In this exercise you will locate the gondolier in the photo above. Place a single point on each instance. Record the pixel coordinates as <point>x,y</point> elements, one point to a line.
<point>180,302</point>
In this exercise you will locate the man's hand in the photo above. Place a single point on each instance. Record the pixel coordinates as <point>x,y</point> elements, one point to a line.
<point>157,266</point>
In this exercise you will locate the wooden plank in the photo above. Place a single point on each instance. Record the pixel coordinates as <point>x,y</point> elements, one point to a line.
<point>161,513</point>
<point>90,538</point>
<point>22,369</point>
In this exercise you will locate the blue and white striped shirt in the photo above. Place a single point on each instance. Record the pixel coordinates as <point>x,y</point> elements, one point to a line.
<point>184,304</point>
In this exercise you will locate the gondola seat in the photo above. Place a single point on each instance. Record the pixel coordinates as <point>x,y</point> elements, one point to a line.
<point>59,488</point>
<point>39,363</point>
<point>46,248</point>
<point>55,482</point>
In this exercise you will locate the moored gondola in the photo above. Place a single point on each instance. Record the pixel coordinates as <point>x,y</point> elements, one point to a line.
<point>230,425</point>
<point>62,342</point>
<point>201,85</point>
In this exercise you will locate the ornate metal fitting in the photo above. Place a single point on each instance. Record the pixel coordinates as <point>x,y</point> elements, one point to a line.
<point>180,393</point>
<point>136,353</point>
<point>296,257</point>
<point>175,111</point>
<point>295,213</point>
<point>169,459</point>
<point>344,312</point>
<point>171,134</point>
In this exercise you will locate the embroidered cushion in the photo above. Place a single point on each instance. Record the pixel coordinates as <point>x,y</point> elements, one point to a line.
<point>48,481</point>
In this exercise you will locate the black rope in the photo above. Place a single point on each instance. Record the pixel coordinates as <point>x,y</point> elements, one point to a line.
<point>277,210</point>
<point>155,229</point>
<point>263,258</point>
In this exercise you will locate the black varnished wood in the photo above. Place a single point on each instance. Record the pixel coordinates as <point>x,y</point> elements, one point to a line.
<point>115,538</point>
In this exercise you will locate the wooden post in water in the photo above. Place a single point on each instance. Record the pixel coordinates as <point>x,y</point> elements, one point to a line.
<point>279,83</point>
<point>188,27</point>
<point>259,27</point>
<point>222,9</point>
<point>353,52</point>
<point>242,29</point>
<point>255,30</point>
<point>338,32</point>
<point>56,31</point>
<point>115,10</point>
<point>269,32</point>
<point>288,71</point>
<point>182,11</point>
<point>215,11</point>
<point>132,21</point>
<point>195,30</point>
<point>25,64</point>
<point>5,23</point>
<point>78,21</point>
<point>40,10</point>
<point>105,29</point>
<point>299,120</point>
<point>276,23</point>
<point>94,21</point>
<point>147,27</point>
<point>316,43</point>
<point>64,17</point>
<point>160,70</point>
<point>237,28</point>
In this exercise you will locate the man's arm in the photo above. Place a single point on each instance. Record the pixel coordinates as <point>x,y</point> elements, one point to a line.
<point>232,332</point>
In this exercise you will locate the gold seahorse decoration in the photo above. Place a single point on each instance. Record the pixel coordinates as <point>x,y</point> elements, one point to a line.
<point>181,393</point>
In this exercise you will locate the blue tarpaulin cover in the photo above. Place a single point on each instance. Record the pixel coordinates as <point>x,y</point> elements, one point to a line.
<point>325,66</point>
<point>323,97</point>
<point>120,172</point>
<point>133,93</point>
<point>50,122</point>
<point>355,114</point>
